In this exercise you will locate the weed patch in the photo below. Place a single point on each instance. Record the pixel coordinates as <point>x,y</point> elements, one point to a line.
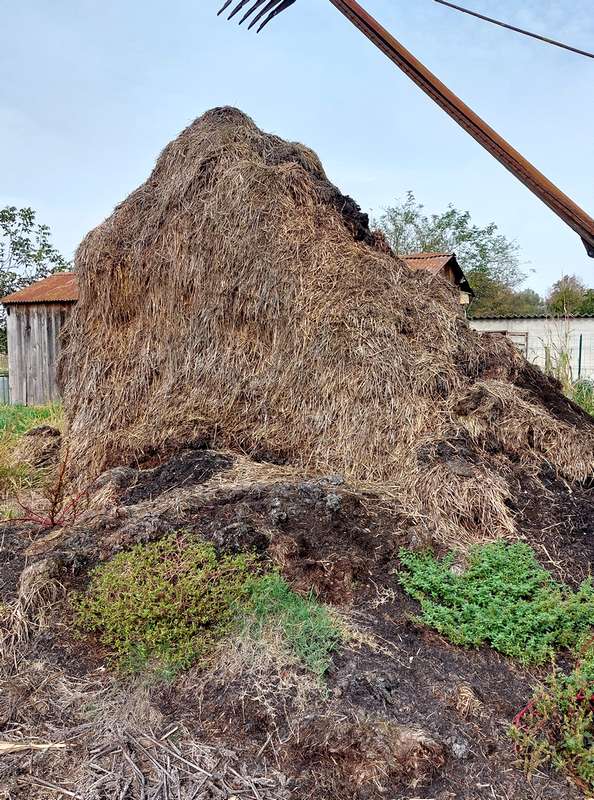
<point>557,725</point>
<point>167,603</point>
<point>504,598</point>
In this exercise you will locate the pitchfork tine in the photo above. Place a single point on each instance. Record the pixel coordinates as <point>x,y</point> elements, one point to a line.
<point>238,8</point>
<point>254,7</point>
<point>285,4</point>
<point>271,6</point>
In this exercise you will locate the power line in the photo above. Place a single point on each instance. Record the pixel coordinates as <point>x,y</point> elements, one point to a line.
<point>517,30</point>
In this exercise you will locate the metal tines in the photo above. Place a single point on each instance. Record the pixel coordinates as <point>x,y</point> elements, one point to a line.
<point>271,8</point>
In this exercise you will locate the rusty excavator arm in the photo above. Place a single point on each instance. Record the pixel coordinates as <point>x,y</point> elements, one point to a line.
<point>496,145</point>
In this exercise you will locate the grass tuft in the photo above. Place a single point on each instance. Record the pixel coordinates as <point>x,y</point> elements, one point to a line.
<point>582,392</point>
<point>16,477</point>
<point>19,419</point>
<point>504,598</point>
<point>308,628</point>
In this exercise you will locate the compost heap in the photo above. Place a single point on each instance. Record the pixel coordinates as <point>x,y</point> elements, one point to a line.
<point>239,298</point>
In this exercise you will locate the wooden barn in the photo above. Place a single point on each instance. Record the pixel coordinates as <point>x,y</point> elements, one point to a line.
<point>34,318</point>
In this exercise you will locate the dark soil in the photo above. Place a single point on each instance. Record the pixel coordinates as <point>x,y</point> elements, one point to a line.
<point>558,521</point>
<point>15,537</point>
<point>189,468</point>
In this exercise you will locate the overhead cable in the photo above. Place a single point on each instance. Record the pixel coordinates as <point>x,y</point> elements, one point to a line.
<point>514,28</point>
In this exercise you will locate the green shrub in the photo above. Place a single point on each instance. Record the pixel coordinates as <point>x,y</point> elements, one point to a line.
<point>168,602</point>
<point>504,598</point>
<point>557,726</point>
<point>307,627</point>
<point>583,394</point>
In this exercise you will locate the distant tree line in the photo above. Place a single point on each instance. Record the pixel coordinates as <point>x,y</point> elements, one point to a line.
<point>490,261</point>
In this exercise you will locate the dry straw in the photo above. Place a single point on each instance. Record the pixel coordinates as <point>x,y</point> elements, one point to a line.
<point>237,295</point>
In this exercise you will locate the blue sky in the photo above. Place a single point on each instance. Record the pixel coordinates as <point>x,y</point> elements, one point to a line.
<point>92,90</point>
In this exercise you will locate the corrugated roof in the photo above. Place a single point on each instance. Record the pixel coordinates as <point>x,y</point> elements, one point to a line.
<point>59,288</point>
<point>529,316</point>
<point>432,262</point>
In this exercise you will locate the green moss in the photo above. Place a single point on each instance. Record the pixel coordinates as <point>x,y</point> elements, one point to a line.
<point>504,598</point>
<point>166,604</point>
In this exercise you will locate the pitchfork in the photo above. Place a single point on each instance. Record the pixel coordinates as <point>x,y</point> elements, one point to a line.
<point>272,8</point>
<point>545,190</point>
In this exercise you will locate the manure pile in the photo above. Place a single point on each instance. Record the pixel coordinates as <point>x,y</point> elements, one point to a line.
<point>238,297</point>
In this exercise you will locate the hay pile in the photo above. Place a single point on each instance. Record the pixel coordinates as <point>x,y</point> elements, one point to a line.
<point>239,297</point>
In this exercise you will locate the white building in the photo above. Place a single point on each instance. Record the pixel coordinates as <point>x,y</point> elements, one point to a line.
<point>546,340</point>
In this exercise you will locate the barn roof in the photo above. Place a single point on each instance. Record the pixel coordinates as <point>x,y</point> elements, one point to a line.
<point>59,288</point>
<point>435,263</point>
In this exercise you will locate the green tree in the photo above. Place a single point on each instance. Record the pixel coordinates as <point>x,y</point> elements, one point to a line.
<point>567,296</point>
<point>587,304</point>
<point>26,255</point>
<point>489,259</point>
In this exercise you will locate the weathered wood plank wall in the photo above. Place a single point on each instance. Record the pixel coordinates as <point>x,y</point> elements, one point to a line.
<point>33,348</point>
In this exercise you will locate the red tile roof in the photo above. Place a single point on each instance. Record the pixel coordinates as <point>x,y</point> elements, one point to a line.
<point>59,288</point>
<point>432,262</point>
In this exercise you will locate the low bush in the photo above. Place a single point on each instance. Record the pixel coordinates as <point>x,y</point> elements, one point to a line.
<point>504,598</point>
<point>557,725</point>
<point>168,602</point>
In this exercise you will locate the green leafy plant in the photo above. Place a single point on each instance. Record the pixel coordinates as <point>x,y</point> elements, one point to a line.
<point>504,598</point>
<point>557,725</point>
<point>308,628</point>
<point>167,603</point>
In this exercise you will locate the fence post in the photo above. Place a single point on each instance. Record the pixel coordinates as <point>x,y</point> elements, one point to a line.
<point>580,356</point>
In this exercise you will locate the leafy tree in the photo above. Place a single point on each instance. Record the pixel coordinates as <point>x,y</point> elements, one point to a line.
<point>587,304</point>
<point>566,296</point>
<point>26,254</point>
<point>489,259</point>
